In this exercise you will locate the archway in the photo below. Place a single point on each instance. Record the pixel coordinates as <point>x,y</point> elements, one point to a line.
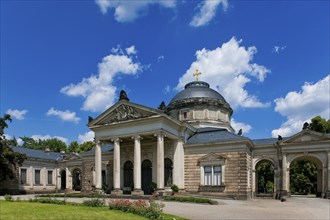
<point>265,177</point>
<point>168,166</point>
<point>76,179</point>
<point>63,179</point>
<point>306,176</point>
<point>128,175</point>
<point>146,176</point>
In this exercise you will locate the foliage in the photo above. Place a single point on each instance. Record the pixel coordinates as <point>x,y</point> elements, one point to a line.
<point>189,199</point>
<point>303,177</point>
<point>49,201</point>
<point>69,195</point>
<point>152,187</point>
<point>75,147</point>
<point>151,209</point>
<point>8,158</point>
<point>8,198</point>
<point>39,211</point>
<point>175,188</point>
<point>94,202</point>
<point>265,171</point>
<point>320,124</point>
<point>53,144</point>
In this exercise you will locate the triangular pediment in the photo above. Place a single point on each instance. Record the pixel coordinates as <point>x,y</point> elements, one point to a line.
<point>73,156</point>
<point>212,158</point>
<point>123,111</point>
<point>306,136</point>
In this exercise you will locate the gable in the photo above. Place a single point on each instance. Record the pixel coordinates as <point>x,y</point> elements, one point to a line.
<point>123,111</point>
<point>306,136</point>
<point>212,159</point>
<point>73,156</point>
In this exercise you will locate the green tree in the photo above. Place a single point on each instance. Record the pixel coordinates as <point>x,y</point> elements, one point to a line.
<point>265,171</point>
<point>303,177</point>
<point>8,158</point>
<point>53,144</point>
<point>320,124</point>
<point>73,147</point>
<point>86,146</point>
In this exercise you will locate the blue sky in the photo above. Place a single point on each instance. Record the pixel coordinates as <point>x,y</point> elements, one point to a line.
<point>62,61</point>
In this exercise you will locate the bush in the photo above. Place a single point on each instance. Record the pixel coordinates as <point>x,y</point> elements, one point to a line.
<point>151,209</point>
<point>94,203</point>
<point>190,199</point>
<point>175,188</point>
<point>69,195</point>
<point>49,201</point>
<point>9,198</point>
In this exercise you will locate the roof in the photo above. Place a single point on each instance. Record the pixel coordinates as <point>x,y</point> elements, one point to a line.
<point>104,148</point>
<point>197,89</point>
<point>40,154</point>
<point>214,135</point>
<point>265,141</point>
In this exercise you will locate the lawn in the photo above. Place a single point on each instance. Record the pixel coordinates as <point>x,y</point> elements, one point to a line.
<point>40,211</point>
<point>36,211</point>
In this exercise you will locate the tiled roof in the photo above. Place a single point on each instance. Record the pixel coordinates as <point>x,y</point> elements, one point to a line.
<point>104,148</point>
<point>40,154</point>
<point>265,141</point>
<point>214,135</point>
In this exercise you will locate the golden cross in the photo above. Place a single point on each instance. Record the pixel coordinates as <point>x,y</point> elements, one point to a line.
<point>196,74</point>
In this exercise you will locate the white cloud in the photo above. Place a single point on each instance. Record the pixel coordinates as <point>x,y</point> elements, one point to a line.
<point>161,57</point>
<point>17,114</point>
<point>64,115</point>
<point>45,137</point>
<point>131,50</point>
<point>207,10</point>
<point>228,69</point>
<point>98,90</point>
<point>167,89</point>
<point>278,49</point>
<point>300,106</point>
<point>240,125</point>
<point>87,136</point>
<point>128,11</point>
<point>19,140</point>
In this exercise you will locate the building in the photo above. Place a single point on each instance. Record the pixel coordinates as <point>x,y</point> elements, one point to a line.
<point>189,143</point>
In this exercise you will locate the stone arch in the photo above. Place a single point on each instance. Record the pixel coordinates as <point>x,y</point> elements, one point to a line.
<point>264,177</point>
<point>320,175</point>
<point>76,179</point>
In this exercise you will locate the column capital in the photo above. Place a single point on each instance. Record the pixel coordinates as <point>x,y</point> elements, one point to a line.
<point>137,137</point>
<point>97,141</point>
<point>160,134</point>
<point>116,139</point>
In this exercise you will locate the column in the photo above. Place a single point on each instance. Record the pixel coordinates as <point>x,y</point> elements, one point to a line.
<point>178,164</point>
<point>116,166</point>
<point>31,175</point>
<point>160,161</point>
<point>284,173</point>
<point>137,166</point>
<point>98,166</point>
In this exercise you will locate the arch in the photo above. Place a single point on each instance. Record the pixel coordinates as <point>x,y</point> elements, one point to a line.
<point>63,179</point>
<point>306,175</point>
<point>76,179</point>
<point>168,167</point>
<point>275,164</point>
<point>128,174</point>
<point>146,176</point>
<point>265,176</point>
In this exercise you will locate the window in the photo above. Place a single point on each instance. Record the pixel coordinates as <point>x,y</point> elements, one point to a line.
<point>212,175</point>
<point>49,177</point>
<point>23,176</point>
<point>37,176</point>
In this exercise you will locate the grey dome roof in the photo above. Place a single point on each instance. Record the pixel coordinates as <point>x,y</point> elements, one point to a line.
<point>197,89</point>
<point>198,92</point>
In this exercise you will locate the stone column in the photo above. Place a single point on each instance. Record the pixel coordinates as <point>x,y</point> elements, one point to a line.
<point>31,177</point>
<point>284,173</point>
<point>98,166</point>
<point>116,167</point>
<point>160,161</point>
<point>178,164</point>
<point>137,166</point>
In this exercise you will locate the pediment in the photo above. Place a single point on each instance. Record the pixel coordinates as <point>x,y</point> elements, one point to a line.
<point>123,111</point>
<point>306,136</point>
<point>212,159</point>
<point>73,156</point>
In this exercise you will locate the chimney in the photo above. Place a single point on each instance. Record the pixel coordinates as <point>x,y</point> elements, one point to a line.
<point>47,150</point>
<point>62,152</point>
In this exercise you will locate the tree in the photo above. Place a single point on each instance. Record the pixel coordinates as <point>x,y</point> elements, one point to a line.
<point>53,144</point>
<point>265,171</point>
<point>86,146</point>
<point>320,124</point>
<point>73,147</point>
<point>8,158</point>
<point>303,177</point>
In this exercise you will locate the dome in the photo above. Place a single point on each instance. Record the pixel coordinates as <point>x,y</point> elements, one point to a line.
<point>198,92</point>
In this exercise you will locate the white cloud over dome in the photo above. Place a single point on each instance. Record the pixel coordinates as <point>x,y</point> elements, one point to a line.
<point>128,11</point>
<point>301,106</point>
<point>99,90</point>
<point>206,11</point>
<point>228,69</point>
<point>17,114</point>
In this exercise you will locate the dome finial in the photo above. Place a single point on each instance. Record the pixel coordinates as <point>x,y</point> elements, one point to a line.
<point>196,74</point>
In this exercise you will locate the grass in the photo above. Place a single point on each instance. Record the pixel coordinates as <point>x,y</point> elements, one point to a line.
<point>40,211</point>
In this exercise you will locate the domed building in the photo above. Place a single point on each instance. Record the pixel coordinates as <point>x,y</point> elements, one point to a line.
<point>188,143</point>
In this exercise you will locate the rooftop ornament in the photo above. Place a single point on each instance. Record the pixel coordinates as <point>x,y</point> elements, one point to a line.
<point>196,74</point>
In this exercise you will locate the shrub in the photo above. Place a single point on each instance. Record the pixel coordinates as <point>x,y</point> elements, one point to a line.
<point>94,202</point>
<point>190,199</point>
<point>49,201</point>
<point>9,198</point>
<point>151,209</point>
<point>175,188</point>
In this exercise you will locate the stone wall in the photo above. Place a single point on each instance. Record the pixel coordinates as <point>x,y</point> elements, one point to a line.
<point>87,176</point>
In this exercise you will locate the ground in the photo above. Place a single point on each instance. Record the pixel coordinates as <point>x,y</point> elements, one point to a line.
<point>296,207</point>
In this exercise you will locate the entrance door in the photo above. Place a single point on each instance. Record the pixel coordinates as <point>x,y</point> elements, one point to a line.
<point>128,174</point>
<point>146,176</point>
<point>63,180</point>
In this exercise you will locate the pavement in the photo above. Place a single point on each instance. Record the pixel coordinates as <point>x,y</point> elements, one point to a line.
<point>296,207</point>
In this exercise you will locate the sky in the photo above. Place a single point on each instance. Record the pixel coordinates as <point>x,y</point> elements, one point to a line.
<point>62,61</point>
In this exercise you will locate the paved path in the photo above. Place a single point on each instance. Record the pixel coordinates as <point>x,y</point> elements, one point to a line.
<point>294,208</point>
